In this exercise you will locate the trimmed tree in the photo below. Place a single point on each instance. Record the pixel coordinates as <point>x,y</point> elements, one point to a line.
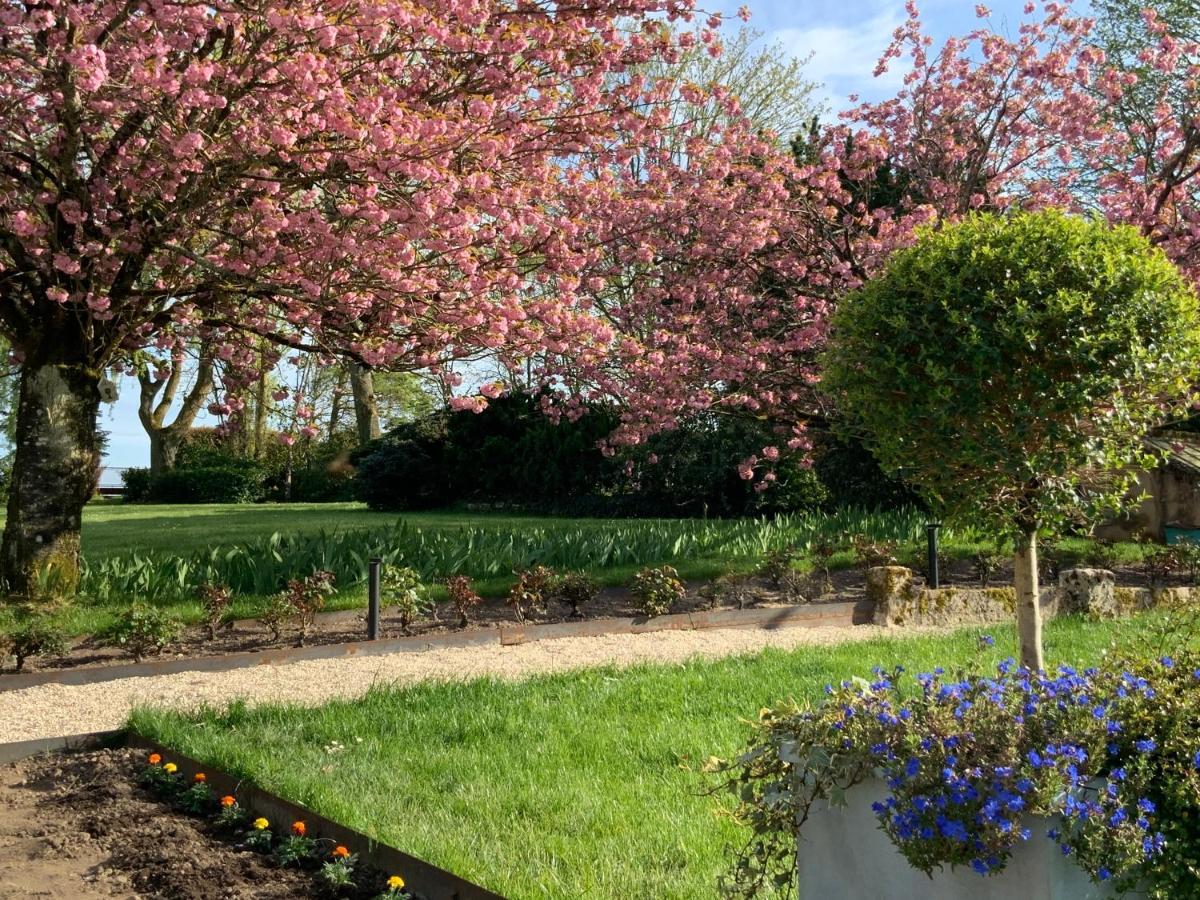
<point>1011,367</point>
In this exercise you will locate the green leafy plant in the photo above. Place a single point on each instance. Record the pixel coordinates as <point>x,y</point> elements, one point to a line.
<point>531,590</point>
<point>215,599</point>
<point>776,564</point>
<point>295,848</point>
<point>277,613</point>
<point>986,565</point>
<point>1026,357</point>
<point>197,798</point>
<point>463,597</point>
<point>36,635</point>
<point>337,872</point>
<point>142,630</point>
<point>402,588</point>
<point>306,597</point>
<point>870,552</point>
<point>258,836</point>
<point>736,590</point>
<point>576,590</point>
<point>231,814</point>
<point>657,590</point>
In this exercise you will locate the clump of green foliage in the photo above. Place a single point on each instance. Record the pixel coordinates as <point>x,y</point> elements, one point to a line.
<point>657,590</point>
<point>142,630</point>
<point>531,590</point>
<point>576,590</point>
<point>38,634</point>
<point>402,588</point>
<point>463,597</point>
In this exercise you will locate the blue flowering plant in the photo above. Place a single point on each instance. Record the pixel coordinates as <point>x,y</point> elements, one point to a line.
<point>967,766</point>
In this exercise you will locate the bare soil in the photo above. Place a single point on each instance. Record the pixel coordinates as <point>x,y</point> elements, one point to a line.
<point>77,827</point>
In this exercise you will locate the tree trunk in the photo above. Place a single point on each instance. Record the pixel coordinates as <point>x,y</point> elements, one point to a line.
<point>167,439</point>
<point>55,471</point>
<point>366,411</point>
<point>1029,608</point>
<point>260,412</point>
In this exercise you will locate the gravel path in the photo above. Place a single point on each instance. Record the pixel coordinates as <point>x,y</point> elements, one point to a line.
<point>52,710</point>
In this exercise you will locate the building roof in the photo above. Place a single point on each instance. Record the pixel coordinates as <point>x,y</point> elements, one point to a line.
<point>1182,451</point>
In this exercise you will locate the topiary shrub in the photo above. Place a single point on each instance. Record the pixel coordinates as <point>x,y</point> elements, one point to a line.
<point>1009,367</point>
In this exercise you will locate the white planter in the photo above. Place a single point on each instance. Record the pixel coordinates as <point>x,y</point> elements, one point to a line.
<point>843,854</point>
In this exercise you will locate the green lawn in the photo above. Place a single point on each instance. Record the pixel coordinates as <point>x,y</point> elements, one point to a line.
<point>565,786</point>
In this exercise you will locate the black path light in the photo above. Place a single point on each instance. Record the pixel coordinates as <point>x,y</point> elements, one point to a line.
<point>373,598</point>
<point>931,539</point>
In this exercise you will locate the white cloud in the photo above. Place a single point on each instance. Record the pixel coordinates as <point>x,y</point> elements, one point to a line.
<point>844,56</point>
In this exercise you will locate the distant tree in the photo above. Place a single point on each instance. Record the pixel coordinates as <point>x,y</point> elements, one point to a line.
<point>1011,366</point>
<point>160,380</point>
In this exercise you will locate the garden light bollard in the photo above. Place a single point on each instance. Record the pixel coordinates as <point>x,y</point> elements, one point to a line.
<point>931,536</point>
<point>373,598</point>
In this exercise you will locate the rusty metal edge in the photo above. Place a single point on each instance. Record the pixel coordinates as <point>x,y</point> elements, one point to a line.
<point>430,881</point>
<point>14,751</point>
<point>816,614</point>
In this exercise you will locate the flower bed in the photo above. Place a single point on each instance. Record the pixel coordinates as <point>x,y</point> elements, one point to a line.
<point>1110,755</point>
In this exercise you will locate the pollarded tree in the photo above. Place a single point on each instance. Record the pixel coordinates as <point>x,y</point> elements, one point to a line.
<point>396,183</point>
<point>1011,366</point>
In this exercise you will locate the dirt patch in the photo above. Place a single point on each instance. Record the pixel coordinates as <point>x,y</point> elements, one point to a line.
<point>76,826</point>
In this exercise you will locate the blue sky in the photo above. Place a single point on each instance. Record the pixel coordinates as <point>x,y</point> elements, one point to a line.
<point>845,37</point>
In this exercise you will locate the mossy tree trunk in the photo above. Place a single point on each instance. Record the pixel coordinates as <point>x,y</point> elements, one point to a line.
<point>1029,607</point>
<point>55,471</point>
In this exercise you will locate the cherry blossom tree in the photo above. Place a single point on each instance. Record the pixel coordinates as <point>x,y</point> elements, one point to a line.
<point>988,121</point>
<point>397,183</point>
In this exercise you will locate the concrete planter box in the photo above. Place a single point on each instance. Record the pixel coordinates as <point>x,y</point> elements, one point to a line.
<point>842,854</point>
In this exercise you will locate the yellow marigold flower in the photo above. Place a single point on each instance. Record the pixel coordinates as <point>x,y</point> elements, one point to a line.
<point>170,768</point>
<point>200,777</point>
<point>228,800</point>
<point>260,823</point>
<point>395,883</point>
<point>154,759</point>
<point>299,828</point>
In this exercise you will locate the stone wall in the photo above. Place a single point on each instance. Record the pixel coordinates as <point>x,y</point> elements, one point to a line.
<point>898,601</point>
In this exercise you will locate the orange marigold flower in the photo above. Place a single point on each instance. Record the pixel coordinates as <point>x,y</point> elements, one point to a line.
<point>227,800</point>
<point>299,829</point>
<point>340,852</point>
<point>154,759</point>
<point>200,777</point>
